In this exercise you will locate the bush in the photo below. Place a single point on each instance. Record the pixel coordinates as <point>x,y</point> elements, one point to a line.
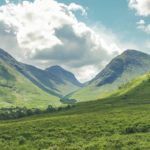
<point>21,140</point>
<point>19,112</point>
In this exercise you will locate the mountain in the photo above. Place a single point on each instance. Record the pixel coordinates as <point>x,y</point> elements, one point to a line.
<point>47,80</point>
<point>64,75</point>
<point>54,80</point>
<point>65,81</point>
<point>17,90</point>
<point>119,71</point>
<point>26,70</point>
<point>131,62</point>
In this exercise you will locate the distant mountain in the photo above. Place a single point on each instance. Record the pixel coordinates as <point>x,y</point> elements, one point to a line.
<point>63,75</point>
<point>120,70</point>
<point>54,79</point>
<point>58,83</point>
<point>17,90</point>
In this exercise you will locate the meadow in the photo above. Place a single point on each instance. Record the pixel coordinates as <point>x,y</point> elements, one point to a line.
<point>96,125</point>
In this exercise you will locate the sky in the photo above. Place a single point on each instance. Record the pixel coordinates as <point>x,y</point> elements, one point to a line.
<point>80,35</point>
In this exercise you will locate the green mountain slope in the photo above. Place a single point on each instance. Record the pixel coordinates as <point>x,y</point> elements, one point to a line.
<point>136,91</point>
<point>119,71</point>
<point>16,90</point>
<point>54,80</point>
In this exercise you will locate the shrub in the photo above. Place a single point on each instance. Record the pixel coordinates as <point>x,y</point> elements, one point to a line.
<point>21,140</point>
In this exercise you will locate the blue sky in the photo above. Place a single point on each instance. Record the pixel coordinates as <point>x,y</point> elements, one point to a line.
<point>116,16</point>
<point>79,35</point>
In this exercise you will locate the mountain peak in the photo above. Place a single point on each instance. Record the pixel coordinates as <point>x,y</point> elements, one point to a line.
<point>63,74</point>
<point>132,52</point>
<point>55,68</point>
<point>129,61</point>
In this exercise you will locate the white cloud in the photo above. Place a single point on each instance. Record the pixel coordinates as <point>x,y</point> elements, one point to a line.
<point>76,7</point>
<point>142,7</point>
<point>142,25</point>
<point>7,1</point>
<point>35,23</point>
<point>46,32</point>
<point>140,22</point>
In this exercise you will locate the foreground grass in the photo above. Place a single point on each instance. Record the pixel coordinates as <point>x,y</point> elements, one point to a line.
<point>88,126</point>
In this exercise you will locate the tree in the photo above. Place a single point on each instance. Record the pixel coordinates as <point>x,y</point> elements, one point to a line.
<point>50,108</point>
<point>148,77</point>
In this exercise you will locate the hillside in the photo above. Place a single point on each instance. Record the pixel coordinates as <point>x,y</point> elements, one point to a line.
<point>16,90</point>
<point>119,71</point>
<point>48,80</point>
<point>118,122</point>
<point>54,80</point>
<point>136,91</point>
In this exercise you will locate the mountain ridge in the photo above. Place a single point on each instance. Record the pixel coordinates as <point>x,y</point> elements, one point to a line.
<point>45,80</point>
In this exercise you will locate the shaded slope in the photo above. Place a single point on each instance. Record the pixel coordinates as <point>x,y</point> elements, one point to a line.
<point>65,81</point>
<point>63,75</point>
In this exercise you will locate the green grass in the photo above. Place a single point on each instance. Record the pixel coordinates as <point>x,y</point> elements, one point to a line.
<point>16,90</point>
<point>136,91</point>
<point>109,124</point>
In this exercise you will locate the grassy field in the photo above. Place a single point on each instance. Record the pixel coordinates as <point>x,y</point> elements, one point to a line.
<point>88,126</point>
